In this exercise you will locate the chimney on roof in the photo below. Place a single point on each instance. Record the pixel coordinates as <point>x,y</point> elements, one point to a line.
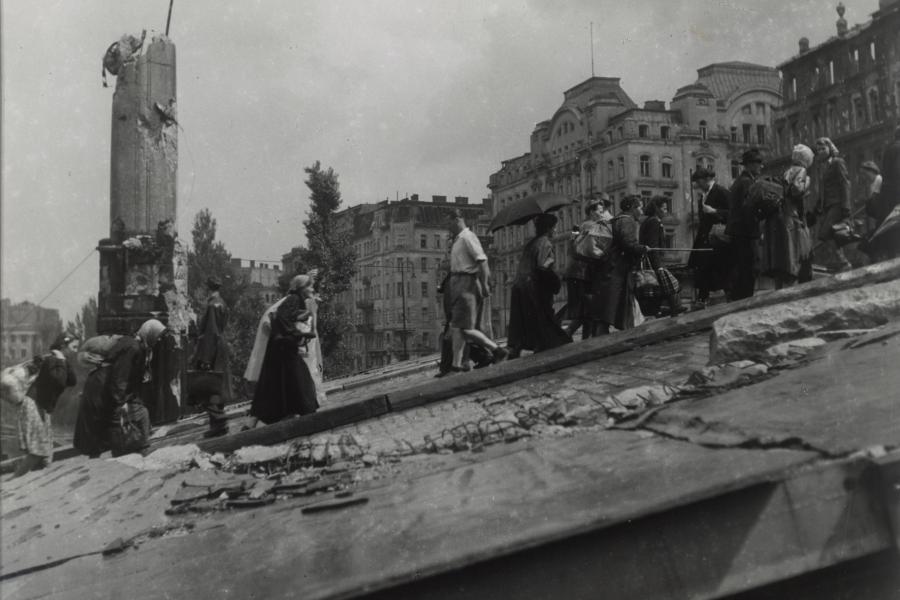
<point>804,45</point>
<point>439,199</point>
<point>655,105</point>
<point>414,198</point>
<point>461,199</point>
<point>841,22</point>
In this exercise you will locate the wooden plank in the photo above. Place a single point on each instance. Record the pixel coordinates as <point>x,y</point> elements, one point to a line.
<point>653,332</point>
<point>276,433</point>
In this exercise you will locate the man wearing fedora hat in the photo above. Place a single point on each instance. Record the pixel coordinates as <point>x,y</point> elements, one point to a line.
<point>712,269</point>
<point>212,355</point>
<point>743,227</point>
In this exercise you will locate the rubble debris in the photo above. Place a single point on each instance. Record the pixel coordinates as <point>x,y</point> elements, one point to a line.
<point>168,457</point>
<point>748,334</point>
<point>795,347</point>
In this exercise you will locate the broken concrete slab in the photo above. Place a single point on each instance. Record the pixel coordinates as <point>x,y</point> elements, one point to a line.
<point>750,333</point>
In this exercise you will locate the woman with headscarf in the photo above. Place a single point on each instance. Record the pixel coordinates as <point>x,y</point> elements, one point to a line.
<point>112,391</point>
<point>52,374</point>
<point>532,324</point>
<point>785,237</point>
<point>833,203</point>
<point>285,385</point>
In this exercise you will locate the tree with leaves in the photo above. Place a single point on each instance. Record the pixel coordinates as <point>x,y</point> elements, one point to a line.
<point>85,324</point>
<point>330,250</point>
<point>207,258</point>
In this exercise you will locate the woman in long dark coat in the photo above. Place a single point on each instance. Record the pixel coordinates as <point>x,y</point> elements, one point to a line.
<point>711,269</point>
<point>212,354</point>
<point>833,203</point>
<point>114,388</point>
<point>611,303</point>
<point>285,386</point>
<point>532,324</point>
<point>653,234</point>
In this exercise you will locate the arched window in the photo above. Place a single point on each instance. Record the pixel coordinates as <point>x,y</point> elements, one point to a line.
<point>645,165</point>
<point>702,130</point>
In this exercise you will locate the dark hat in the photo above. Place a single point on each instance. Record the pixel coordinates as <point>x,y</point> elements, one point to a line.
<point>62,340</point>
<point>870,166</point>
<point>753,155</point>
<point>702,173</point>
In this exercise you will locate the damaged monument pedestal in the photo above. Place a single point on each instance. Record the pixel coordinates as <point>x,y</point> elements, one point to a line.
<point>143,266</point>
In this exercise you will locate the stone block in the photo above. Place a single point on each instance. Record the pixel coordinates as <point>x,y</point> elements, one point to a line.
<point>748,334</point>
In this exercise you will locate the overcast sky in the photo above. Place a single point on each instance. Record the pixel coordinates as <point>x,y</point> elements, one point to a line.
<point>397,96</point>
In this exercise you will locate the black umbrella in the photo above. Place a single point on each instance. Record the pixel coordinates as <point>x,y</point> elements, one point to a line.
<point>524,209</point>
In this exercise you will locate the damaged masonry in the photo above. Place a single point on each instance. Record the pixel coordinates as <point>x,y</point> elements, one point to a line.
<point>563,465</point>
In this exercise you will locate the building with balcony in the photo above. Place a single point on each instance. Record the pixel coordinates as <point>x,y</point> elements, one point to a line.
<point>401,249</point>
<point>601,140</point>
<point>27,330</point>
<point>847,88</point>
<point>261,277</point>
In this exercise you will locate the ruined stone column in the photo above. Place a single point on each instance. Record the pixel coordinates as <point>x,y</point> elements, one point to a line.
<point>144,159</point>
<point>143,265</point>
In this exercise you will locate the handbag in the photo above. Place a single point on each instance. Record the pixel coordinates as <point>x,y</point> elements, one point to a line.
<point>126,437</point>
<point>717,236</point>
<point>202,384</point>
<point>844,234</point>
<point>644,281</point>
<point>668,283</point>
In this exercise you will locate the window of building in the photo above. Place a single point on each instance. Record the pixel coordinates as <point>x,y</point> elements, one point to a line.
<point>735,169</point>
<point>609,137</point>
<point>761,109</point>
<point>621,167</point>
<point>746,131</point>
<point>408,289</point>
<point>423,264</point>
<point>702,130</point>
<point>830,72</point>
<point>760,134</point>
<point>426,339</point>
<point>734,131</point>
<point>794,88</point>
<point>423,241</point>
<point>874,108</point>
<point>666,168</point>
<point>424,289</point>
<point>872,51</point>
<point>664,132</point>
<point>645,165</point>
<point>859,111</point>
<point>437,241</point>
<point>621,133</point>
<point>399,288</point>
<point>643,131</point>
<point>610,171</point>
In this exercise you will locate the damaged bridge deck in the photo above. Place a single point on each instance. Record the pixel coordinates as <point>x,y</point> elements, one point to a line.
<point>710,493</point>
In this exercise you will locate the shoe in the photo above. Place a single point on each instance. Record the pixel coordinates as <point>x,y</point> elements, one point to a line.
<point>451,371</point>
<point>500,354</point>
<point>218,431</point>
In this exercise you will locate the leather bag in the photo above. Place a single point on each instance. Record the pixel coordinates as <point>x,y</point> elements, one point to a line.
<point>644,281</point>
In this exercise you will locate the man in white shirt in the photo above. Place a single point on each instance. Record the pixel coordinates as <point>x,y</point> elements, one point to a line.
<point>468,287</point>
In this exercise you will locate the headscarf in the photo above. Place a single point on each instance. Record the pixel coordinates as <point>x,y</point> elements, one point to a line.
<point>832,149</point>
<point>62,340</point>
<point>300,282</point>
<point>802,156</point>
<point>150,332</point>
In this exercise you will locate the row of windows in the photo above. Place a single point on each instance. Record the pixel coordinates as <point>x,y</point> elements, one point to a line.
<point>391,316</point>
<point>643,132</point>
<point>824,74</point>
<point>374,246</point>
<point>386,340</point>
<point>865,109</point>
<point>394,290</point>
<point>645,169</point>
